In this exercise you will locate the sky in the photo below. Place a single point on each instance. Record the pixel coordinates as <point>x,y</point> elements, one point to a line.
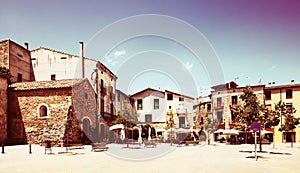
<point>180,45</point>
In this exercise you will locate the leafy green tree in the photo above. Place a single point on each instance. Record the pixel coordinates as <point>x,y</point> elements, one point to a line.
<point>270,119</point>
<point>250,111</point>
<point>290,122</point>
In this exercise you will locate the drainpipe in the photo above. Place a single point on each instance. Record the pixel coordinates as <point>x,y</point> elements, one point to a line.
<point>81,58</point>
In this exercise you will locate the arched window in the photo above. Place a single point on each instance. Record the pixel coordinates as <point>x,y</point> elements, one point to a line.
<point>43,111</point>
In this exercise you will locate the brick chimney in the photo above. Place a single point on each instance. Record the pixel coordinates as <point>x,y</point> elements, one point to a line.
<point>81,58</point>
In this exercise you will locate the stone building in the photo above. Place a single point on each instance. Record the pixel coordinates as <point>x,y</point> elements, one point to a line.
<point>16,58</point>
<point>225,95</point>
<point>3,109</point>
<point>202,108</point>
<point>59,111</point>
<point>289,94</point>
<point>125,107</point>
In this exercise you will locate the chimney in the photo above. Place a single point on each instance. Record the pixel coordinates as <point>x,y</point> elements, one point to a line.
<point>26,45</point>
<point>81,58</point>
<point>292,81</point>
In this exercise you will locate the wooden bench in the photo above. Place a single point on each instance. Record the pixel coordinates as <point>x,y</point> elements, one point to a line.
<point>186,143</point>
<point>150,144</point>
<point>75,146</point>
<point>99,146</point>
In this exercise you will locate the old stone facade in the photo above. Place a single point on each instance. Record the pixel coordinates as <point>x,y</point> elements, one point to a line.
<point>59,111</point>
<point>125,107</point>
<point>17,59</point>
<point>226,95</point>
<point>3,109</point>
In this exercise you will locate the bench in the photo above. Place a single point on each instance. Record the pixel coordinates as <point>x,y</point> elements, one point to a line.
<point>150,144</point>
<point>99,146</point>
<point>75,146</point>
<point>187,143</point>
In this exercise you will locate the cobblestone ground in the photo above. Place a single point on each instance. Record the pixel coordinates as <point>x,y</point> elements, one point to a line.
<point>164,158</point>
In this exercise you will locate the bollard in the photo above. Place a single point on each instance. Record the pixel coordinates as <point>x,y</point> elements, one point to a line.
<point>2,149</point>
<point>30,149</point>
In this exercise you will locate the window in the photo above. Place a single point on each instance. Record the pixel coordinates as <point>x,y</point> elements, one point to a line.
<point>169,96</point>
<point>156,103</point>
<point>181,122</point>
<point>19,77</point>
<point>43,112</point>
<point>220,116</point>
<point>289,93</point>
<point>268,95</point>
<point>208,107</point>
<point>181,99</point>
<point>234,100</point>
<point>111,108</point>
<point>53,77</point>
<point>148,118</point>
<point>86,96</point>
<point>139,104</point>
<point>219,102</point>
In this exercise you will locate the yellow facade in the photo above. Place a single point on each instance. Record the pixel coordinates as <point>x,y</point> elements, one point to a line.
<point>279,93</point>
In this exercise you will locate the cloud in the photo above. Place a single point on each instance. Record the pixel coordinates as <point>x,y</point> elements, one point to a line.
<point>113,58</point>
<point>119,53</point>
<point>187,66</point>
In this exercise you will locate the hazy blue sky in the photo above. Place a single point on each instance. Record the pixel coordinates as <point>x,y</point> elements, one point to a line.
<point>254,40</point>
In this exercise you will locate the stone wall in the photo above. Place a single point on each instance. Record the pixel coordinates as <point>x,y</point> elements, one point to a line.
<point>3,109</point>
<point>25,123</point>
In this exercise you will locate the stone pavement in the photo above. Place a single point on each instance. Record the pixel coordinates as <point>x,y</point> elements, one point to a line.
<point>164,158</point>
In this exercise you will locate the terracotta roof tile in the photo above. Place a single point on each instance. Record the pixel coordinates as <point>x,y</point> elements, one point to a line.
<point>66,83</point>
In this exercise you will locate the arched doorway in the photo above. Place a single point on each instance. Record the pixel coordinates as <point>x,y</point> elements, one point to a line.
<point>86,126</point>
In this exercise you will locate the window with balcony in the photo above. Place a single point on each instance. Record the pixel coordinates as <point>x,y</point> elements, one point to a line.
<point>156,103</point>
<point>268,95</point>
<point>139,104</point>
<point>289,93</point>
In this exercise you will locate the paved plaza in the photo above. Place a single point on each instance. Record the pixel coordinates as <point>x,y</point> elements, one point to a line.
<point>163,158</point>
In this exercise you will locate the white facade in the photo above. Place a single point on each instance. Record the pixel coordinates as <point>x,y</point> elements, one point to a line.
<point>49,64</point>
<point>153,105</point>
<point>182,109</point>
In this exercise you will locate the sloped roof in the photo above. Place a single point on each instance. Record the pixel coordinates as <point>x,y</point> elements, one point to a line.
<point>55,84</point>
<point>147,89</point>
<point>282,86</point>
<point>181,95</point>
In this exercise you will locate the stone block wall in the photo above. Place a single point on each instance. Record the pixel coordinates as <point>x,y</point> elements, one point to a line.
<point>27,126</point>
<point>3,109</point>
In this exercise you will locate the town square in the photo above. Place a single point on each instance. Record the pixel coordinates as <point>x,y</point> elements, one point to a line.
<point>140,86</point>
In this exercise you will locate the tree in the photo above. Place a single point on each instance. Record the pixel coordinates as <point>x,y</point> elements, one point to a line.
<point>270,119</point>
<point>250,111</point>
<point>4,72</point>
<point>290,122</point>
<point>210,125</point>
